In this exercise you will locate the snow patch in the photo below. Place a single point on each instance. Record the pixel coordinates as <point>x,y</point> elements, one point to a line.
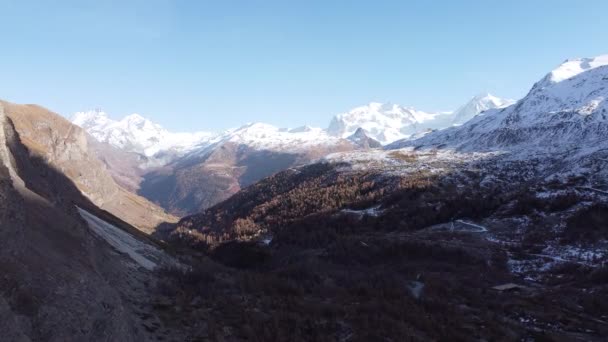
<point>373,211</point>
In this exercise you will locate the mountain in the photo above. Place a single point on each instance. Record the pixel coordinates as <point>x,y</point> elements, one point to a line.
<point>565,111</point>
<point>506,210</point>
<point>382,122</point>
<point>185,172</point>
<point>387,123</point>
<point>494,228</point>
<point>135,133</point>
<point>232,160</point>
<point>362,139</point>
<point>53,140</point>
<point>262,136</point>
<point>188,172</point>
<point>64,278</point>
<point>407,228</point>
<point>478,104</point>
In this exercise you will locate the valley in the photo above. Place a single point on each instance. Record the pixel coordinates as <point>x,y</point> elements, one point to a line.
<point>188,172</point>
<point>486,223</point>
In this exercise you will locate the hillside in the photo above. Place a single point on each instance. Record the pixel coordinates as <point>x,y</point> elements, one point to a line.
<point>60,279</point>
<point>53,140</point>
<point>207,176</point>
<point>515,197</point>
<point>432,232</point>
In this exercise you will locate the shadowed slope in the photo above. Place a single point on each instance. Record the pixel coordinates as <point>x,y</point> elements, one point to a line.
<point>64,146</point>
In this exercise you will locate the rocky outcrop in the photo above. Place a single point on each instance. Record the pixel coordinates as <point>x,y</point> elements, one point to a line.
<point>362,140</point>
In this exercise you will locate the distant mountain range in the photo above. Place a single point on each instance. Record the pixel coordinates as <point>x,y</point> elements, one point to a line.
<point>555,139</point>
<point>188,172</point>
<point>134,133</point>
<point>382,122</point>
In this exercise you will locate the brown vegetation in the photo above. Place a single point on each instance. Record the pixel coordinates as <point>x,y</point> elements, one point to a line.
<point>330,274</point>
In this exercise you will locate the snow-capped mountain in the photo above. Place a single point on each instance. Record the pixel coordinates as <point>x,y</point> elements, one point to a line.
<point>566,110</point>
<point>190,171</point>
<point>265,137</point>
<point>384,122</point>
<point>135,133</point>
<point>234,159</point>
<point>390,122</point>
<point>478,104</point>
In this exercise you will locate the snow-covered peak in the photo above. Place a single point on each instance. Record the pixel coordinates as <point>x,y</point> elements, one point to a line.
<point>371,123</point>
<point>383,122</point>
<point>135,133</point>
<point>387,122</point>
<point>136,120</point>
<point>90,118</point>
<point>268,137</point>
<point>577,86</point>
<point>138,124</point>
<point>479,104</point>
<point>566,110</point>
<point>573,67</point>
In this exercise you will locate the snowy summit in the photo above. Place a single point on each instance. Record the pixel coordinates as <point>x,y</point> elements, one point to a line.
<point>134,133</point>
<point>390,122</point>
<point>567,109</point>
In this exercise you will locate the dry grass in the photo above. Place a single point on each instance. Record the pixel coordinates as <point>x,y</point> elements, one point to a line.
<point>406,157</point>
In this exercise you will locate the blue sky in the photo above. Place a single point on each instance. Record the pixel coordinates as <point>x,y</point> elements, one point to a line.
<point>211,65</point>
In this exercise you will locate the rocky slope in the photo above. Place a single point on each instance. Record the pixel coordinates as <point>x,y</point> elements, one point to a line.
<point>52,140</point>
<point>59,280</point>
<point>362,139</point>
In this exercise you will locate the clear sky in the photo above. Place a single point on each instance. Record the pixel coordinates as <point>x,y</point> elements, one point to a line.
<point>210,65</point>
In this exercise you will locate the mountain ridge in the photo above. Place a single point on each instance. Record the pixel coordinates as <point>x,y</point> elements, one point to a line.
<point>383,122</point>
<point>135,133</point>
<point>567,107</point>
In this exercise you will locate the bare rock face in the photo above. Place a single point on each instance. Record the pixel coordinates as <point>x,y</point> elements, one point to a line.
<point>52,140</point>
